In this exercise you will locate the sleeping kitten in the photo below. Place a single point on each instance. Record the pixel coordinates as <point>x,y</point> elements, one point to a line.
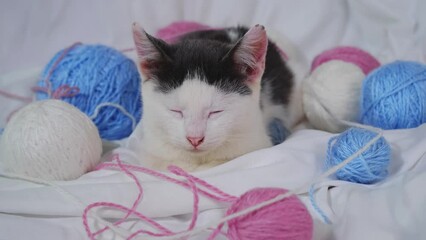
<point>209,97</point>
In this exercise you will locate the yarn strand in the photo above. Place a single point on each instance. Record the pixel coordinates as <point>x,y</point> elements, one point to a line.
<point>136,202</point>
<point>221,196</point>
<point>71,198</point>
<point>15,96</point>
<point>194,190</point>
<point>122,109</point>
<point>191,184</point>
<point>316,207</point>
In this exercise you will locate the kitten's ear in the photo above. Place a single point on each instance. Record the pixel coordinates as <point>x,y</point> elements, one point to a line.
<point>249,54</point>
<point>152,52</point>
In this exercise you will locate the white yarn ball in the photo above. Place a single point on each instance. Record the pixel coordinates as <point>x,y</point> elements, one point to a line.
<point>51,140</point>
<point>336,86</point>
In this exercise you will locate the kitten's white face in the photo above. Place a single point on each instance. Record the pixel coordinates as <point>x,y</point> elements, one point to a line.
<point>201,97</point>
<point>196,117</point>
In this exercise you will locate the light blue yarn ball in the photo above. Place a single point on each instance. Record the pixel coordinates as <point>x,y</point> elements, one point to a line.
<point>103,75</point>
<point>394,96</point>
<point>369,167</point>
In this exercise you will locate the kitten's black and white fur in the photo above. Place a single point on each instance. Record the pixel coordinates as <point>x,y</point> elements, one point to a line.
<point>209,97</point>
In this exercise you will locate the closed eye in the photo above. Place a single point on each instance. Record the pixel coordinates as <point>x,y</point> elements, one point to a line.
<point>214,113</point>
<point>177,112</point>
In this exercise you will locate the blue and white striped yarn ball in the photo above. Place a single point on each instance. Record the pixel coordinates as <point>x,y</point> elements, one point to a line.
<point>369,167</point>
<point>103,75</point>
<point>394,96</point>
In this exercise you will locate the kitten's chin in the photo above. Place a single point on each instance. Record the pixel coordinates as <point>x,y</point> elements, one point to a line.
<point>200,151</point>
<point>197,152</point>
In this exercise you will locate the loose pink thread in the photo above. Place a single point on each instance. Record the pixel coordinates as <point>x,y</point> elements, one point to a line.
<point>223,197</point>
<point>190,183</point>
<point>14,96</point>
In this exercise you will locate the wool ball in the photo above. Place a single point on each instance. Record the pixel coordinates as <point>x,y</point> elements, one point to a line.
<point>286,219</point>
<point>331,92</point>
<point>369,167</point>
<point>277,131</point>
<point>394,96</point>
<point>173,31</point>
<point>359,57</point>
<point>50,140</point>
<point>333,88</point>
<point>102,75</point>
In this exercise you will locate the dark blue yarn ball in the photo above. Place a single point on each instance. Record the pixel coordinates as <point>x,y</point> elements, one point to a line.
<point>277,131</point>
<point>103,75</point>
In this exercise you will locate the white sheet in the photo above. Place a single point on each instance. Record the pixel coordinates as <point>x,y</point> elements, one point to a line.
<point>31,32</point>
<point>393,209</point>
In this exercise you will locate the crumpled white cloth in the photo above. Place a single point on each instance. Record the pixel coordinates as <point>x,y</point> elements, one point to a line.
<point>391,209</point>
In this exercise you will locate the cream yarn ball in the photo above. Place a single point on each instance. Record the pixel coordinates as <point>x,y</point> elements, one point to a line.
<point>51,140</point>
<point>334,86</point>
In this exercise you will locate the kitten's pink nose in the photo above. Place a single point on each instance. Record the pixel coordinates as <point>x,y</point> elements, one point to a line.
<point>195,141</point>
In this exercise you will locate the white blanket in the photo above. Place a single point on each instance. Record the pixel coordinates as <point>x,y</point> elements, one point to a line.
<point>32,31</point>
<point>392,209</point>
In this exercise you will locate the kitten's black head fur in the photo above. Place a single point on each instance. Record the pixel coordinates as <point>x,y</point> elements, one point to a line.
<point>208,55</point>
<point>207,60</point>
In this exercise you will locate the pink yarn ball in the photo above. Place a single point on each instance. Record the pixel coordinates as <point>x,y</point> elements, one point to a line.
<point>174,30</point>
<point>354,55</point>
<point>286,219</point>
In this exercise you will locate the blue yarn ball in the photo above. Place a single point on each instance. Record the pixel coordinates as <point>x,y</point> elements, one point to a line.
<point>277,132</point>
<point>103,75</point>
<point>394,96</point>
<point>369,167</point>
